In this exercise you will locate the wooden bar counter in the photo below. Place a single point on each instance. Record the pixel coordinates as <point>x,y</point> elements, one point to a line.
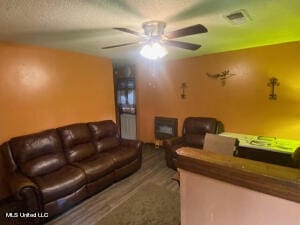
<point>223,190</point>
<point>271,179</point>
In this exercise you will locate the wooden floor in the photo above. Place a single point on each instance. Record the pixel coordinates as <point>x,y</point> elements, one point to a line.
<point>90,211</point>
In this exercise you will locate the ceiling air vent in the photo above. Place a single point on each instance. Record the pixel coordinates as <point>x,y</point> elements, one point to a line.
<point>238,17</point>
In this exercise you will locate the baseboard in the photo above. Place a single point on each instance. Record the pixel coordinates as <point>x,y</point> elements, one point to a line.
<point>149,143</point>
<point>153,146</point>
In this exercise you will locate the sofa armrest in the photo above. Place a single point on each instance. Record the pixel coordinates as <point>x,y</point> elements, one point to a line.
<point>17,182</point>
<point>138,145</point>
<point>168,143</point>
<point>132,143</point>
<point>25,190</point>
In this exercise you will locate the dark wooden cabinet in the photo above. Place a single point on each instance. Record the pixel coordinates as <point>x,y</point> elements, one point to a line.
<point>125,98</point>
<point>126,95</point>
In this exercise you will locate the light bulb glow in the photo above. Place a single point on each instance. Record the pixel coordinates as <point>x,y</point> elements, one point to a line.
<point>153,51</point>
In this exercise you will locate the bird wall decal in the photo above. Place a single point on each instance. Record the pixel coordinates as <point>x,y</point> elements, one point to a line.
<point>222,76</point>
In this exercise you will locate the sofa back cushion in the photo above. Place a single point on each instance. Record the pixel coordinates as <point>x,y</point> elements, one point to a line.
<point>105,135</point>
<point>194,140</point>
<point>39,153</point>
<point>43,164</point>
<point>76,139</point>
<point>8,157</point>
<point>195,128</point>
<point>107,143</point>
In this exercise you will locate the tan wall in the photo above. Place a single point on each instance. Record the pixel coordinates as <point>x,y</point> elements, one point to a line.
<point>215,202</point>
<point>242,104</point>
<point>42,88</point>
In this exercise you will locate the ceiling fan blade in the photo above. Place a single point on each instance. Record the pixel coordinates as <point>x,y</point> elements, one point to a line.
<point>196,29</point>
<point>121,45</point>
<point>180,44</point>
<point>127,31</point>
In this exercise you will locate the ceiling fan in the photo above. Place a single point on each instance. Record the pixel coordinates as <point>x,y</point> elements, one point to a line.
<point>154,38</point>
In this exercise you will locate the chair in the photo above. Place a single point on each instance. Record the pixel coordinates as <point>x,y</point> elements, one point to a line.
<point>220,144</point>
<point>193,132</point>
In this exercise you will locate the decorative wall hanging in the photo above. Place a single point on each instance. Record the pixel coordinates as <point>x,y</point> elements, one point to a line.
<point>222,76</point>
<point>273,81</point>
<point>183,87</point>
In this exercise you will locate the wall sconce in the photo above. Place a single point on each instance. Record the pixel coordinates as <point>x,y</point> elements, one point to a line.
<point>222,76</point>
<point>273,81</point>
<point>183,87</point>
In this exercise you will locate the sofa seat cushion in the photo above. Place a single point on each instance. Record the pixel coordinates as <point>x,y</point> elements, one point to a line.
<point>123,155</point>
<point>60,183</point>
<point>96,166</point>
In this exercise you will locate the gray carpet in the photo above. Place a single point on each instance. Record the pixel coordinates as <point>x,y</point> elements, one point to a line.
<point>150,205</point>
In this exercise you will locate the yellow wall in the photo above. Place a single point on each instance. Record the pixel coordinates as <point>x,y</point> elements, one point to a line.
<point>42,88</point>
<point>242,104</point>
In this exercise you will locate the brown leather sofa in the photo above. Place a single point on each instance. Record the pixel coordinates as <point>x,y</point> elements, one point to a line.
<point>52,170</point>
<point>193,133</point>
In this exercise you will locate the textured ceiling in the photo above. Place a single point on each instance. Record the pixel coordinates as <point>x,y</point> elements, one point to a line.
<point>85,25</point>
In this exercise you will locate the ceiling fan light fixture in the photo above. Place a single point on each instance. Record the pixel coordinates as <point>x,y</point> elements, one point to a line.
<point>154,28</point>
<point>155,38</point>
<point>153,51</point>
